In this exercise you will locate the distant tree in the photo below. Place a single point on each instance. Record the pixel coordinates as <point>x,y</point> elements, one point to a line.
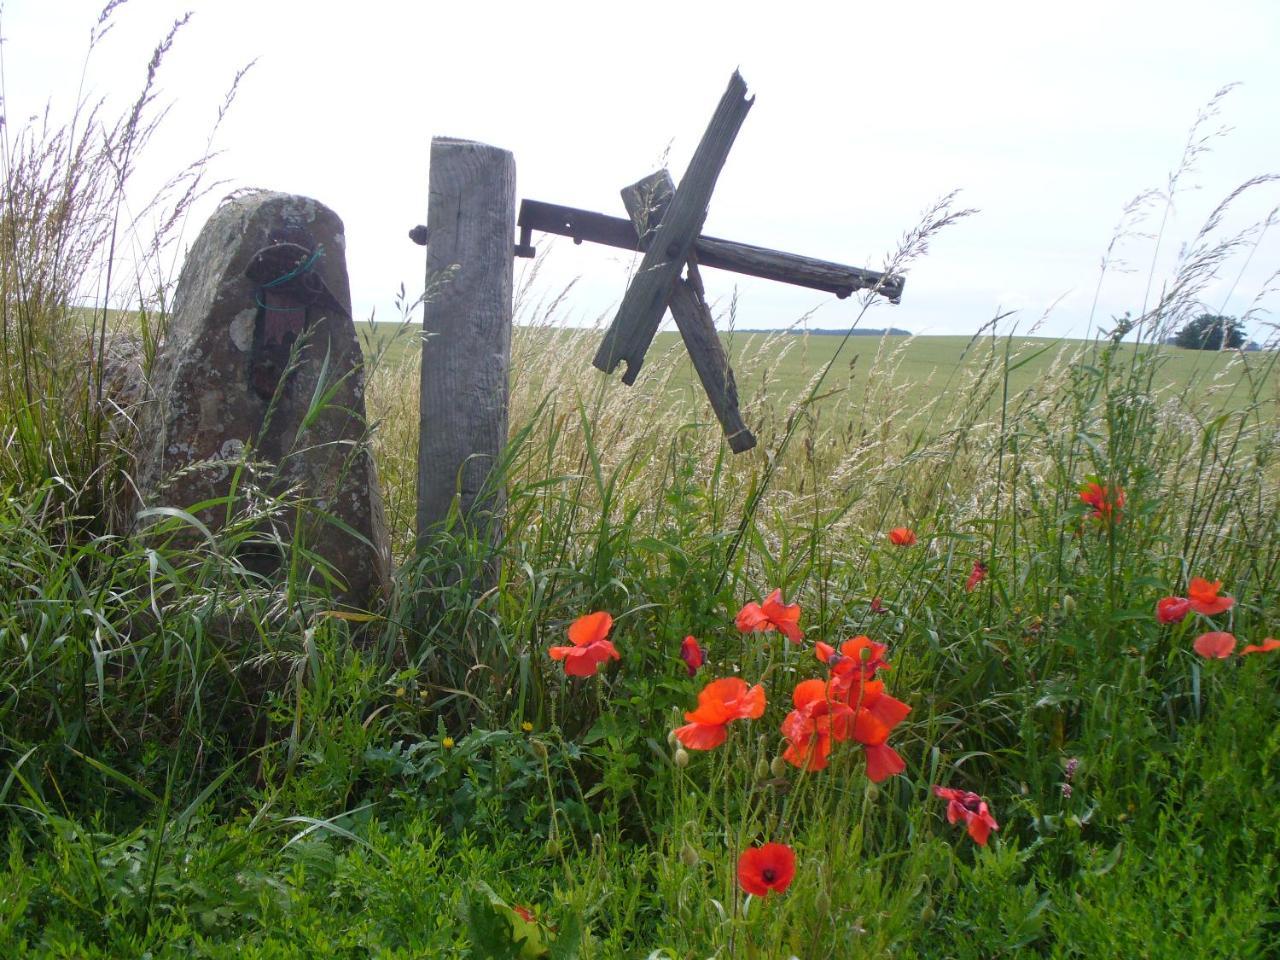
<point>1208,331</point>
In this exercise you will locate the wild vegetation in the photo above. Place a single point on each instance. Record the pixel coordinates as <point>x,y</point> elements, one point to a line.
<point>198,759</point>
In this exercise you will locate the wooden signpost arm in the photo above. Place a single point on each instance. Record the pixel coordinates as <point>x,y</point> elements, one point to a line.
<point>646,204</point>
<point>792,268</point>
<point>632,330</point>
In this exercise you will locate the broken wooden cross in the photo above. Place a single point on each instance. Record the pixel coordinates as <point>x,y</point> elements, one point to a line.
<point>666,223</point>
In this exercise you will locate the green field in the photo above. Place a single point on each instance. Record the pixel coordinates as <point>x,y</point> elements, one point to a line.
<point>933,366</point>
<point>780,367</point>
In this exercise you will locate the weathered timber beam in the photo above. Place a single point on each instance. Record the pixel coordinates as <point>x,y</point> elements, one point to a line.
<point>646,202</point>
<point>743,258</point>
<point>645,301</point>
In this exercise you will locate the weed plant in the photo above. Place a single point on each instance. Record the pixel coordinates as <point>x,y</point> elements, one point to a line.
<point>198,759</point>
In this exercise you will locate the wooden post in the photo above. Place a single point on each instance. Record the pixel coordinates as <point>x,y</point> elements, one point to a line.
<point>466,353</point>
<point>646,203</point>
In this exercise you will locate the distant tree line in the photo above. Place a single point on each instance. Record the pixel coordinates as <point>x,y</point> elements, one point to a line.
<point>1211,331</point>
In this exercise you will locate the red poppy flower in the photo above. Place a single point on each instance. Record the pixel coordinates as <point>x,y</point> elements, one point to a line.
<point>901,537</point>
<point>590,648</point>
<point>1266,646</point>
<point>976,576</point>
<point>1215,646</point>
<point>692,654</point>
<point>877,605</point>
<point>766,868</point>
<point>773,614</point>
<point>840,710</point>
<point>1172,609</point>
<point>1204,598</point>
<point>720,703</point>
<point>810,727</point>
<point>851,668</point>
<point>1105,501</point>
<point>963,805</point>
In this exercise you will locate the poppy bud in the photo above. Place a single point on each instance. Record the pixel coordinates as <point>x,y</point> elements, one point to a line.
<point>539,749</point>
<point>688,855</point>
<point>1068,604</point>
<point>873,793</point>
<point>762,769</point>
<point>927,913</point>
<point>778,766</point>
<point>553,847</point>
<point>681,758</point>
<point>672,742</point>
<point>822,902</point>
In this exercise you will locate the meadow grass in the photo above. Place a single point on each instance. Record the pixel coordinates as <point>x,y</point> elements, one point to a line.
<point>200,759</point>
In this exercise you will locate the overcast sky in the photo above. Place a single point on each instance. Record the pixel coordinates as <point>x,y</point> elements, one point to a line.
<point>1048,117</point>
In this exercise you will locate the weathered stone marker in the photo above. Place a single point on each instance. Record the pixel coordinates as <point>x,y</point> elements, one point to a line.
<point>260,381</point>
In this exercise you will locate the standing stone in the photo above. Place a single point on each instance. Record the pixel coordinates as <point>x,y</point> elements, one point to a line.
<point>259,385</point>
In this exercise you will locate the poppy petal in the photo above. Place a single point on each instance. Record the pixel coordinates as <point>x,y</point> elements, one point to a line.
<point>601,651</point>
<point>751,618</point>
<point>889,710</point>
<point>717,700</point>
<point>1212,607</point>
<point>869,730</point>
<point>580,663</point>
<point>883,762</point>
<point>809,692</point>
<point>750,706</point>
<point>1215,645</point>
<point>1205,597</point>
<point>590,628</point>
<point>702,736</point>
<point>692,654</point>
<point>1172,609</point>
<point>981,824</point>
